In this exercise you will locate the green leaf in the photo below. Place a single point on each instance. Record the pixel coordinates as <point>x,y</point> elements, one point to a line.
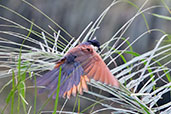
<point>35,95</point>
<point>57,91</point>
<point>13,86</point>
<point>162,16</point>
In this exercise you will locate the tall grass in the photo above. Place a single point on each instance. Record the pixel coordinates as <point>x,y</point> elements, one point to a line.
<point>143,71</point>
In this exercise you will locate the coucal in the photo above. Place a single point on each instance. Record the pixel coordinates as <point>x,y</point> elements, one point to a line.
<point>78,66</point>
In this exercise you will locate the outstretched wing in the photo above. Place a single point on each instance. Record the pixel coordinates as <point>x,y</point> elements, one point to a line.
<point>94,67</point>
<point>80,64</point>
<point>72,78</point>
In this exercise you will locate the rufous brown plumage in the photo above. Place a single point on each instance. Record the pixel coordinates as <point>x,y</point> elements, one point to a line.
<point>78,66</point>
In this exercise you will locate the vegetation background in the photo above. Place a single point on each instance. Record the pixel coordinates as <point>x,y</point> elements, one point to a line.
<point>74,16</point>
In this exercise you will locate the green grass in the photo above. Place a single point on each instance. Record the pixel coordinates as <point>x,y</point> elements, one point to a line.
<point>35,95</point>
<point>162,16</point>
<point>20,86</point>
<point>57,91</point>
<point>21,78</point>
<point>13,96</point>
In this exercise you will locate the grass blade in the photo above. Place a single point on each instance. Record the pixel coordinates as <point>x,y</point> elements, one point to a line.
<point>35,96</point>
<point>162,16</point>
<point>57,91</point>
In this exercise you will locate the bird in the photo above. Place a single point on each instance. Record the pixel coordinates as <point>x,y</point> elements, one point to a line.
<point>78,66</point>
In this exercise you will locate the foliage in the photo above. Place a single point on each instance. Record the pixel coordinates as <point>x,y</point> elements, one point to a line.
<point>139,76</point>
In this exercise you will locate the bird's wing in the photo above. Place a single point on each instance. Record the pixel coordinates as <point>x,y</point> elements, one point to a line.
<point>78,65</point>
<point>72,79</point>
<point>94,67</point>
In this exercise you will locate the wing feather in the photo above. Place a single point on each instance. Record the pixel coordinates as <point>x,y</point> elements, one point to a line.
<point>86,78</point>
<point>69,93</point>
<point>99,71</point>
<point>78,65</point>
<point>74,90</point>
<point>88,69</point>
<point>93,65</point>
<point>47,78</point>
<point>100,74</point>
<point>84,84</point>
<point>93,70</point>
<point>96,72</point>
<point>79,89</point>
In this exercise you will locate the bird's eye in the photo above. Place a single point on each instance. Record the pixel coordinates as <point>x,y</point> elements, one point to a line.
<point>88,49</point>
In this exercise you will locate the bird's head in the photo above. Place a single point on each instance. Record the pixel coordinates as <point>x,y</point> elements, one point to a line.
<point>94,43</point>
